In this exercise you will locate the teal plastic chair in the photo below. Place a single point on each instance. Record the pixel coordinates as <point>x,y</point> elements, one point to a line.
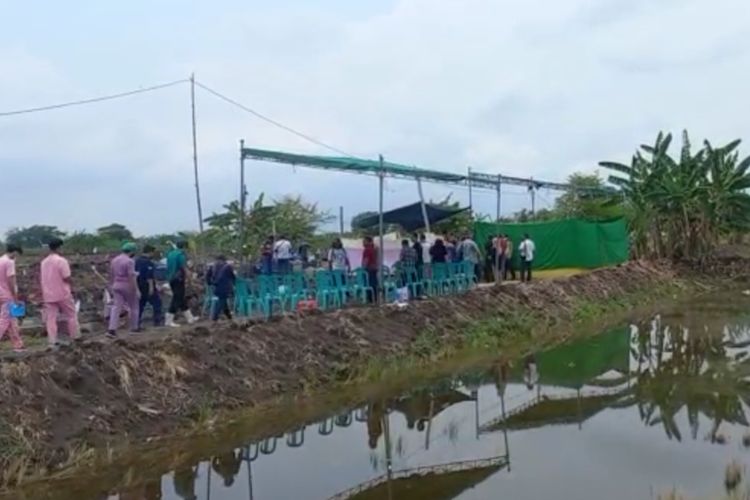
<point>410,279</point>
<point>268,295</point>
<point>361,286</point>
<point>209,300</point>
<point>326,293</point>
<point>295,289</point>
<point>242,300</point>
<point>439,282</point>
<point>456,270</point>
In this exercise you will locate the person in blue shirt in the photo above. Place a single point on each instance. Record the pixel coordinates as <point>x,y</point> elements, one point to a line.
<point>145,266</point>
<point>222,279</point>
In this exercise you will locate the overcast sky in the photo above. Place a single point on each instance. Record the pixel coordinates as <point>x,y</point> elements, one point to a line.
<point>541,89</point>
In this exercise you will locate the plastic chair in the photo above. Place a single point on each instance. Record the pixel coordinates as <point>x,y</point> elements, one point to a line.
<point>242,302</point>
<point>361,286</point>
<point>340,284</point>
<point>410,279</point>
<point>439,282</point>
<point>325,291</point>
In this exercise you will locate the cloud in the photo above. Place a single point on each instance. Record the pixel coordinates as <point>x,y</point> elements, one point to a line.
<point>537,88</point>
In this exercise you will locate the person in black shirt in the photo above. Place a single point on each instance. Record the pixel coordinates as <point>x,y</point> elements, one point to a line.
<point>438,252</point>
<point>144,266</point>
<point>222,279</point>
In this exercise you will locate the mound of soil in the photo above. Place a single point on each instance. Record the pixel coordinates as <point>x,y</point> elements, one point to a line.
<point>100,391</point>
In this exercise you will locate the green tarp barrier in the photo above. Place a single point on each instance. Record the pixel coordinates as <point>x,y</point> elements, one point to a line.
<point>565,243</point>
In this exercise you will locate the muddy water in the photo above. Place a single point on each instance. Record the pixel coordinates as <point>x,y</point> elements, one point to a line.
<point>627,414</point>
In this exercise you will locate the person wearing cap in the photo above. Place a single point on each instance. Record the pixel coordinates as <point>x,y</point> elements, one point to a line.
<point>124,285</point>
<point>57,293</point>
<point>9,296</point>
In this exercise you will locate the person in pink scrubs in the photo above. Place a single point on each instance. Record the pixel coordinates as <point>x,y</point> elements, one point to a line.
<point>57,294</point>
<point>124,285</point>
<point>9,296</point>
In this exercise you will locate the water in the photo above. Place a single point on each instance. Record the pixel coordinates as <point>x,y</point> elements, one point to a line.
<point>627,414</point>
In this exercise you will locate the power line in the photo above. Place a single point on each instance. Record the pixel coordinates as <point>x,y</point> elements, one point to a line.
<point>270,120</point>
<point>93,99</point>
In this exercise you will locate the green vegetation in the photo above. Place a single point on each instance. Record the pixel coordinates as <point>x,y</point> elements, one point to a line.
<point>683,207</point>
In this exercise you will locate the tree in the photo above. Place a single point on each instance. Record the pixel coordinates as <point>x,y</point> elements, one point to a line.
<point>588,199</point>
<point>33,236</point>
<point>682,207</point>
<point>290,216</point>
<point>115,231</point>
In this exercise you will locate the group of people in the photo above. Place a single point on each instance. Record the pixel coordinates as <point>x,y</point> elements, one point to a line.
<point>56,293</point>
<point>499,258</point>
<point>133,284</point>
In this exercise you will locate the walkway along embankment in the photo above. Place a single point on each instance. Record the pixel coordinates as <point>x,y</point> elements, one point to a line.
<point>101,393</point>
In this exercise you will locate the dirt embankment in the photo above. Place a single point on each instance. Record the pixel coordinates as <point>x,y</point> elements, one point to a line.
<point>100,392</point>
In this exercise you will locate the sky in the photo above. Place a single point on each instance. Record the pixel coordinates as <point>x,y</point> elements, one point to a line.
<point>541,89</point>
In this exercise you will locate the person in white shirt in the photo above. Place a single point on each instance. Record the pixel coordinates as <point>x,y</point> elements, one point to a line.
<point>282,252</point>
<point>526,252</point>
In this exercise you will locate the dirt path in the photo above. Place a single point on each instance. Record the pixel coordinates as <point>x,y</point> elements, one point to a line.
<point>99,391</point>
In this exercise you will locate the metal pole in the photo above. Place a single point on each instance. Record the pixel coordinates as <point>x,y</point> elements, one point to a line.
<point>388,457</point>
<point>195,155</point>
<point>243,194</point>
<point>381,177</point>
<point>533,199</point>
<point>471,197</point>
<point>424,207</point>
<point>341,220</point>
<point>499,184</point>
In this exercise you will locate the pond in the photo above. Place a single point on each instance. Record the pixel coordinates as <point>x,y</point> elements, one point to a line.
<point>627,414</point>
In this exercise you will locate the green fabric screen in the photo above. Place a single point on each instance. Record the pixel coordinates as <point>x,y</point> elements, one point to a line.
<point>564,243</point>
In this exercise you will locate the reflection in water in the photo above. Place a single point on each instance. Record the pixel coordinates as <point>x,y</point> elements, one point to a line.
<point>441,440</point>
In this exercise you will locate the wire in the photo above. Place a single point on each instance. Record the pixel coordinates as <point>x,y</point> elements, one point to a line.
<point>92,100</point>
<point>270,120</point>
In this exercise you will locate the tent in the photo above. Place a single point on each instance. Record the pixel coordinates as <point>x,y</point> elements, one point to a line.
<point>410,217</point>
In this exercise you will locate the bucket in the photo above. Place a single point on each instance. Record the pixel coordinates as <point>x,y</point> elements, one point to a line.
<point>17,309</point>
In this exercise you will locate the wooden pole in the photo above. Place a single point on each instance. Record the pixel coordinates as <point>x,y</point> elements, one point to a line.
<point>195,155</point>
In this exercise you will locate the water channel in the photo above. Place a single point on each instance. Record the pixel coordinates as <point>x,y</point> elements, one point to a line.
<point>627,414</point>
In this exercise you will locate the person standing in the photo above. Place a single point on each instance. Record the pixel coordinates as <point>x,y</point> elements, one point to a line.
<point>469,252</point>
<point>450,246</point>
<point>526,252</point>
<point>177,274</point>
<point>338,259</point>
<point>501,251</point>
<point>370,262</point>
<point>282,251</point>
<point>418,249</point>
<point>145,267</point>
<point>266,257</point>
<point>510,267</point>
<point>438,252</point>
<point>57,293</point>
<point>123,281</point>
<point>223,279</point>
<point>9,296</point>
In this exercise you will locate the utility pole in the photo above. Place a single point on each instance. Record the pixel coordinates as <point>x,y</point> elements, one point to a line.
<point>532,189</point>
<point>195,155</point>
<point>341,220</point>
<point>424,207</point>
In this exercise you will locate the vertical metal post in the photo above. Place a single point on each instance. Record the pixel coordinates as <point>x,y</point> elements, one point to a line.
<point>499,191</point>
<point>243,194</point>
<point>424,207</point>
<point>341,220</point>
<point>388,457</point>
<point>471,195</point>
<point>195,155</point>
<point>381,179</point>
<point>532,188</point>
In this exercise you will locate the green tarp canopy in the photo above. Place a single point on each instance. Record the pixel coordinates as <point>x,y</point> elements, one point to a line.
<point>410,217</point>
<point>565,243</point>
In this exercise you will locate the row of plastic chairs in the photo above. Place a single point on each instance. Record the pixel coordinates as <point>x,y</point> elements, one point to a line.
<point>266,294</point>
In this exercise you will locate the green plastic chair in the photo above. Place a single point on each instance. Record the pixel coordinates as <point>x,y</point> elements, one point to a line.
<point>326,292</point>
<point>242,300</point>
<point>439,282</point>
<point>410,279</point>
<point>361,285</point>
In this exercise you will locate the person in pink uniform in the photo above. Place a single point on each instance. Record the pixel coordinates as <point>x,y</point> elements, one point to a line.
<point>124,285</point>
<point>57,293</point>
<point>9,296</point>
